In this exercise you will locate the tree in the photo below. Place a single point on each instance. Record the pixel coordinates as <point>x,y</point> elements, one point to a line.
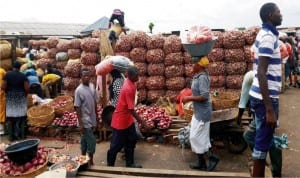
<point>151,25</point>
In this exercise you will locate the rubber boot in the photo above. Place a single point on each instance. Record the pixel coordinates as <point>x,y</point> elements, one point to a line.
<point>200,164</point>
<point>10,131</point>
<point>276,161</point>
<point>213,161</point>
<point>259,168</point>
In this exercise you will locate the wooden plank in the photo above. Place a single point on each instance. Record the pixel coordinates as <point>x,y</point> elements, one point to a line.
<point>176,126</point>
<point>173,130</point>
<point>164,172</point>
<point>86,174</point>
<point>179,121</point>
<point>175,117</point>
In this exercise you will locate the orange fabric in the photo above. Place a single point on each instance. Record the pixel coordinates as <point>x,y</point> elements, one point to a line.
<point>289,48</point>
<point>2,97</point>
<point>183,93</point>
<point>283,51</point>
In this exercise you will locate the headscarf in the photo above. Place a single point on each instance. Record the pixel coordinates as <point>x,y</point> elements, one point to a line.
<point>203,62</point>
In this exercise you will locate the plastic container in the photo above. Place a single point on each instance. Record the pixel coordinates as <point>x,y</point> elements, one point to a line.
<point>61,165</point>
<point>198,50</point>
<point>23,151</point>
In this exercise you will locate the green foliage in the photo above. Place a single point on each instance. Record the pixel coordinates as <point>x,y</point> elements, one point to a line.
<point>151,25</point>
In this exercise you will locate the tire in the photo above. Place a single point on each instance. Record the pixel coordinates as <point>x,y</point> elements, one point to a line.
<point>235,143</point>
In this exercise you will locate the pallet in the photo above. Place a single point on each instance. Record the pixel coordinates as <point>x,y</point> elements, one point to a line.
<point>123,172</point>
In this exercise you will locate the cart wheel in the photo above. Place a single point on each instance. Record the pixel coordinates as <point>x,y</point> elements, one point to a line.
<point>235,143</point>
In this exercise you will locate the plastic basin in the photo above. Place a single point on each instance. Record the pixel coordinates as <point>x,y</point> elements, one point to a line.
<point>198,50</point>
<point>23,151</point>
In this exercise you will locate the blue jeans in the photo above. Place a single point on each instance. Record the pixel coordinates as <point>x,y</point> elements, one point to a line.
<point>275,153</point>
<point>264,133</point>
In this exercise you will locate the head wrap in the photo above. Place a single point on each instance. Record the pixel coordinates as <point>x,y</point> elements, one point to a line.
<point>203,62</point>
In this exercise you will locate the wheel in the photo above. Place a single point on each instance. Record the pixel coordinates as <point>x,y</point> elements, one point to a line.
<point>235,143</point>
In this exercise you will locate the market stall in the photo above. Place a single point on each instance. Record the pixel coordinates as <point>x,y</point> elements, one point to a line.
<point>164,65</point>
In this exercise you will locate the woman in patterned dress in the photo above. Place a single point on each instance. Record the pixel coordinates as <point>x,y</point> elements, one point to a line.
<point>16,86</point>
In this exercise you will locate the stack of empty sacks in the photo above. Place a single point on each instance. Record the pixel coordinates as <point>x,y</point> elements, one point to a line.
<point>230,59</point>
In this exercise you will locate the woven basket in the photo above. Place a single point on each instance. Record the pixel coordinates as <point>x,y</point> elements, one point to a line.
<point>188,114</point>
<point>225,100</point>
<point>68,107</point>
<point>40,116</point>
<point>188,111</point>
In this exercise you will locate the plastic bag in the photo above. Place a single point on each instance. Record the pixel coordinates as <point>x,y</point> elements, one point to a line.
<point>62,56</point>
<point>184,136</point>
<point>104,67</point>
<point>199,34</point>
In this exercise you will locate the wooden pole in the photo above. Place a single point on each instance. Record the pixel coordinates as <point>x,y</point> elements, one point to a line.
<point>105,50</point>
<point>13,50</point>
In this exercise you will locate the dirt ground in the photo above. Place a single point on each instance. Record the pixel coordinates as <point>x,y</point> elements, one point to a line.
<point>167,156</point>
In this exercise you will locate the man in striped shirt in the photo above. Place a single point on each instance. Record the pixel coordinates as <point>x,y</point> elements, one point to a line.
<point>266,85</point>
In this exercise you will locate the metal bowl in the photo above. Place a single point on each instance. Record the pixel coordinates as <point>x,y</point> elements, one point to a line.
<point>23,151</point>
<point>60,165</point>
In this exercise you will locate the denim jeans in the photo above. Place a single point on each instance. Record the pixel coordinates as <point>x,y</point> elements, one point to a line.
<point>264,133</point>
<point>275,153</point>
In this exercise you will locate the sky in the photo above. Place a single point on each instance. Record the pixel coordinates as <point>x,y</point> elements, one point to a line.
<point>167,15</point>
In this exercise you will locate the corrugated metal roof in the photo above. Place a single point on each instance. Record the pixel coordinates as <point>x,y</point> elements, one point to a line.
<point>102,23</point>
<point>38,28</point>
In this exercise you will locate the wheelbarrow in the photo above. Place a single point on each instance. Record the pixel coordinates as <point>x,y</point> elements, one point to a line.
<point>224,128</point>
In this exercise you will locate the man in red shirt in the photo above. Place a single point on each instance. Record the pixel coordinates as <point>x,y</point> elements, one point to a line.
<point>123,127</point>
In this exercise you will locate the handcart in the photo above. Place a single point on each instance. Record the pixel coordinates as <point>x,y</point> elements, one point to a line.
<point>224,128</point>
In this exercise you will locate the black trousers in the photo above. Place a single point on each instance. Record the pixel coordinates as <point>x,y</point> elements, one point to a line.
<point>36,89</point>
<point>126,138</point>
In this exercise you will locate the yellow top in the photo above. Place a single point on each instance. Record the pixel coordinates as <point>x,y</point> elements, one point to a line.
<point>50,78</point>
